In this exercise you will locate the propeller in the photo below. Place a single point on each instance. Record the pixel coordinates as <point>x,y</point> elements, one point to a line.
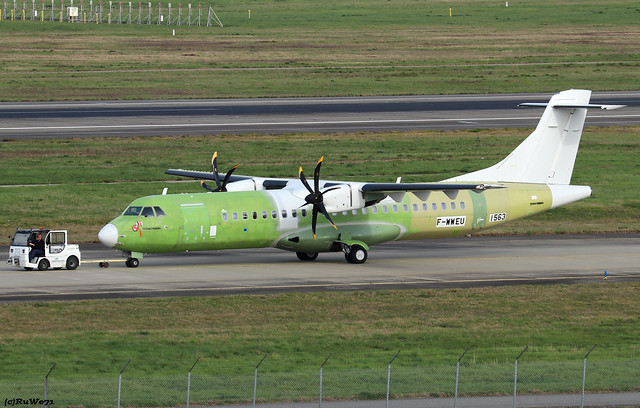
<point>315,197</point>
<point>221,186</point>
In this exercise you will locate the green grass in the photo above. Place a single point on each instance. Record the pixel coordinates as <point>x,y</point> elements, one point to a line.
<point>163,336</point>
<point>91,341</point>
<point>310,48</point>
<point>119,170</point>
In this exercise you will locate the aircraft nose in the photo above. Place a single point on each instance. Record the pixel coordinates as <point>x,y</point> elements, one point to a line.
<point>108,235</point>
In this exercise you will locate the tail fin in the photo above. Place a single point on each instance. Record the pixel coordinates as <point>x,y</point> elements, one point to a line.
<point>549,153</point>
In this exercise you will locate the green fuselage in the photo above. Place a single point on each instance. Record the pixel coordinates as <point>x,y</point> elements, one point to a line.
<point>275,218</point>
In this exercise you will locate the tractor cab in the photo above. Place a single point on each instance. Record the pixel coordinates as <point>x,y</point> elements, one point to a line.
<point>58,253</point>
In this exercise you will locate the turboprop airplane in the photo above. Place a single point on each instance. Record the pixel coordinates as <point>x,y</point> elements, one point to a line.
<point>257,212</point>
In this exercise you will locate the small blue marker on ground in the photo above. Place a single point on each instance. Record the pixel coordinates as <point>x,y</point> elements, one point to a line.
<point>605,275</point>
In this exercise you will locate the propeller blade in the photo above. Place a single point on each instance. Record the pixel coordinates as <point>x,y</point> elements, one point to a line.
<point>304,180</point>
<point>314,220</point>
<point>221,186</point>
<point>203,184</point>
<point>316,197</point>
<point>227,177</point>
<point>214,166</point>
<point>324,212</point>
<point>316,176</point>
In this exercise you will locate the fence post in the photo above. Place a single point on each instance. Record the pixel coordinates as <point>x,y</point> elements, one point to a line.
<point>515,381</point>
<point>455,398</point>
<point>46,387</point>
<point>120,381</point>
<point>255,379</point>
<point>325,362</point>
<point>389,377</point>
<point>584,375</point>
<point>189,381</point>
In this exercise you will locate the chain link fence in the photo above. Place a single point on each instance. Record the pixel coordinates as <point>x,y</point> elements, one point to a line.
<point>109,12</point>
<point>395,381</point>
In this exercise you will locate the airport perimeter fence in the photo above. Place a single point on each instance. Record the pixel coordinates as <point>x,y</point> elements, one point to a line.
<point>108,12</point>
<point>388,383</point>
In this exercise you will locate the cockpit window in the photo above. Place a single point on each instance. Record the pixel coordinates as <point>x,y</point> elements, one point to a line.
<point>159,212</point>
<point>133,210</point>
<point>148,212</point>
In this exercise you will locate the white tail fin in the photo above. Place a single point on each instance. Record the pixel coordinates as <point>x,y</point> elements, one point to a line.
<point>549,153</point>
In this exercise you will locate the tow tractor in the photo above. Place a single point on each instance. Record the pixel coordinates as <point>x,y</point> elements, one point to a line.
<point>58,253</point>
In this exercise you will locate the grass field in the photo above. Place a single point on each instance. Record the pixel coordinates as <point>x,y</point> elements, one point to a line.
<point>307,48</point>
<point>363,328</point>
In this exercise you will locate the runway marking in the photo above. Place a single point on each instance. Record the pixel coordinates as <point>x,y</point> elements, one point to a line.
<point>296,123</point>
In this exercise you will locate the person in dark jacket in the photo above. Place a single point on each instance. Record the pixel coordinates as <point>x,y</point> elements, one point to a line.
<point>37,248</point>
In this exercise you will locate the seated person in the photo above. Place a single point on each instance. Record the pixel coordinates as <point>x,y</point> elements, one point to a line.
<point>37,248</point>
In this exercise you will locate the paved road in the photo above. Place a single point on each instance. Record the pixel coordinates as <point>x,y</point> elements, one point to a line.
<point>38,120</point>
<point>463,262</point>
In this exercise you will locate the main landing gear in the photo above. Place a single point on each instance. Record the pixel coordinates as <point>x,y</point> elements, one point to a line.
<point>132,262</point>
<point>355,254</point>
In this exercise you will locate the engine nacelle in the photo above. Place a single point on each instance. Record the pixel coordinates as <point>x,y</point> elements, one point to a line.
<point>343,198</point>
<point>242,185</point>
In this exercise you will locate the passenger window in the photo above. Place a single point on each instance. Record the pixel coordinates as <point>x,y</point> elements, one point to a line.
<point>354,212</point>
<point>254,215</point>
<point>415,208</point>
<point>462,205</point>
<point>364,211</point>
<point>405,208</point>
<point>374,210</point>
<point>159,212</point>
<point>284,213</point>
<point>443,206</point>
<point>453,205</point>
<point>133,210</point>
<point>264,215</point>
<point>424,206</point>
<point>434,206</point>
<point>245,216</point>
<point>385,209</point>
<point>303,212</point>
<point>294,213</point>
<point>148,212</point>
<point>235,216</point>
<point>274,214</point>
<point>225,216</point>
<point>395,208</point>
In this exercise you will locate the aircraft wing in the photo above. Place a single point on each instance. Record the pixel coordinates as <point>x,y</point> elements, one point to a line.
<point>377,191</point>
<point>267,183</point>
<point>202,175</point>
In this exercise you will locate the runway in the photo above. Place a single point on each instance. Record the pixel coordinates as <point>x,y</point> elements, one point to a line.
<point>453,263</point>
<point>39,120</point>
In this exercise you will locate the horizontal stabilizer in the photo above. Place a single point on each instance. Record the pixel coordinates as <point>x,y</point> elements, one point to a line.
<point>560,106</point>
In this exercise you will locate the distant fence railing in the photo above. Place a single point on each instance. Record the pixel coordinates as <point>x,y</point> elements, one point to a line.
<point>392,382</point>
<point>108,12</point>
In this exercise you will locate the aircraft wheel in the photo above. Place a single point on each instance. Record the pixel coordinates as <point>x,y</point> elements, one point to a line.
<point>43,265</point>
<point>72,262</point>
<point>132,262</point>
<point>307,256</point>
<point>356,255</point>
